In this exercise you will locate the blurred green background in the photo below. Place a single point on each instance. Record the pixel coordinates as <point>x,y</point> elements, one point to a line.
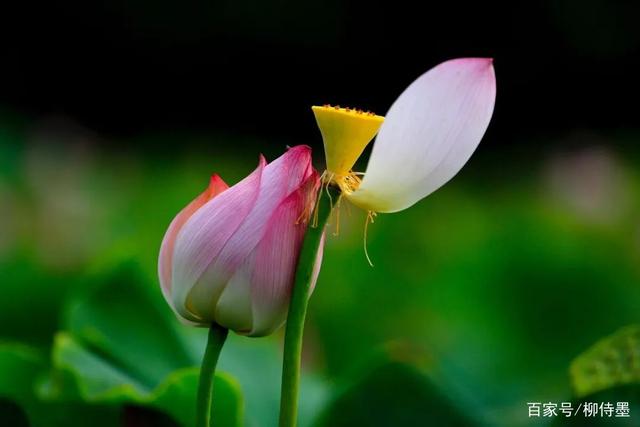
<point>485,296</point>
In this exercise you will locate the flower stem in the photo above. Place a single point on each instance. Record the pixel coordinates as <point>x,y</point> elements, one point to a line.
<point>298,309</point>
<point>215,341</point>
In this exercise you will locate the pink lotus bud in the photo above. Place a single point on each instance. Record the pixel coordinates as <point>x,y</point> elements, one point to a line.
<point>230,256</point>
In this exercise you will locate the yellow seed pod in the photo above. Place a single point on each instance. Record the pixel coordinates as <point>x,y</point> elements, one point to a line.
<point>345,132</point>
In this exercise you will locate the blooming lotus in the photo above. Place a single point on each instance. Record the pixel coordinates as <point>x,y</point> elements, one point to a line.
<point>229,257</point>
<point>429,133</point>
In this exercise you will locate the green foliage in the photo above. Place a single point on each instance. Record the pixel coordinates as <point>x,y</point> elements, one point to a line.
<point>613,361</point>
<point>501,289</point>
<point>28,289</point>
<point>81,374</point>
<point>608,373</point>
<point>20,368</point>
<point>120,348</point>
<point>494,280</point>
<point>394,394</point>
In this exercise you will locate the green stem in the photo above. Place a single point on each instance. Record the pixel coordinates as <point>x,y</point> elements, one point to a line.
<point>215,341</point>
<point>298,310</point>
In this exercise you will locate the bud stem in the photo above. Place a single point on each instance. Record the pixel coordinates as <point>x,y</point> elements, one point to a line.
<point>298,308</point>
<point>215,341</point>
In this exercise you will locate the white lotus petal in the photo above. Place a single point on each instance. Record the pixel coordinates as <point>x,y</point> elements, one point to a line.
<point>429,133</point>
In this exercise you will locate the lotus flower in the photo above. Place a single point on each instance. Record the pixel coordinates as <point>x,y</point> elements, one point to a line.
<point>229,257</point>
<point>429,133</point>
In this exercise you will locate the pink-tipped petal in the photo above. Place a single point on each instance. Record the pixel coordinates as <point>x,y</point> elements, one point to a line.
<point>428,134</point>
<point>276,258</point>
<point>216,186</point>
<point>202,238</point>
<point>280,178</point>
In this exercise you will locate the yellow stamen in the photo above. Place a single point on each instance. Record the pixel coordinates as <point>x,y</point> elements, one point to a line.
<point>370,217</point>
<point>305,215</point>
<point>345,132</point>
<point>314,221</point>
<point>336,232</point>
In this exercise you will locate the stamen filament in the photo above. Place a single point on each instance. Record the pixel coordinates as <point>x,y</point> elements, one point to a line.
<point>370,218</point>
